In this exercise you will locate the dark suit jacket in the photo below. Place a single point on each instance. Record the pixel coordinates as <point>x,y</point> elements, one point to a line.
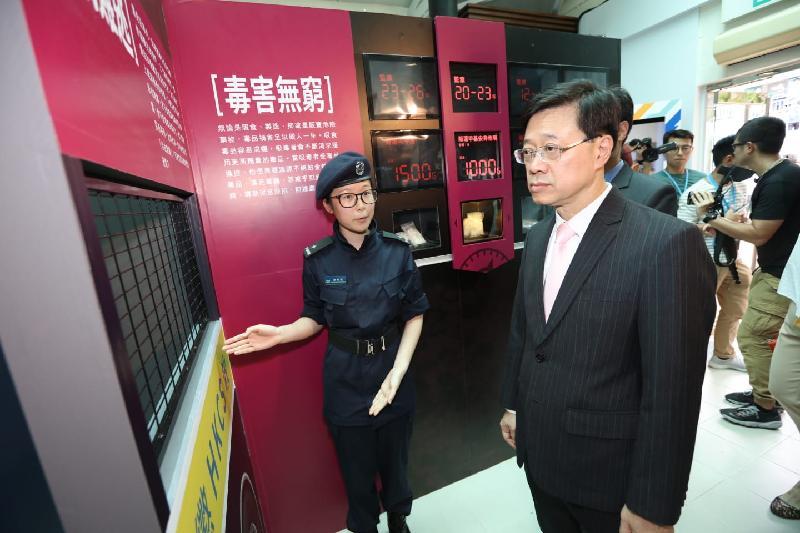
<point>645,190</point>
<point>607,392</point>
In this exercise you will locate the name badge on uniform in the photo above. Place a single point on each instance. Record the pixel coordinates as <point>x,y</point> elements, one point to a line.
<point>335,280</point>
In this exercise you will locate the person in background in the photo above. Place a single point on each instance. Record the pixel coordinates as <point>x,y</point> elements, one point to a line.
<point>784,373</point>
<point>675,174</point>
<point>773,227</point>
<point>634,186</point>
<point>731,290</point>
<point>364,286</point>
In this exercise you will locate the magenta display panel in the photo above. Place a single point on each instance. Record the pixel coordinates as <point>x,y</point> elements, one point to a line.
<point>110,87</point>
<point>474,87</point>
<point>267,105</point>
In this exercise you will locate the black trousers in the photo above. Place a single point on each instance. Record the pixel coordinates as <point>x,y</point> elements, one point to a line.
<point>363,453</point>
<point>558,516</point>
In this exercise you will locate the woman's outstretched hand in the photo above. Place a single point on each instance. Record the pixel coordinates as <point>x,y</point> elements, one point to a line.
<point>258,337</point>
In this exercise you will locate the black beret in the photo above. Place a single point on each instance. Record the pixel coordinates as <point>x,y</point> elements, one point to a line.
<point>345,168</point>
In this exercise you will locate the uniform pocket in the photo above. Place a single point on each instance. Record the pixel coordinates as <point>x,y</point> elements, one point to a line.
<point>333,295</point>
<point>394,286</point>
<point>602,424</point>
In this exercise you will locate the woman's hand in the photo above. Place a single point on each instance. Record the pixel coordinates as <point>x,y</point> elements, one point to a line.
<point>387,391</point>
<point>258,337</point>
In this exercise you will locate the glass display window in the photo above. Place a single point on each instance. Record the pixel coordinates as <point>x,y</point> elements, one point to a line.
<point>408,160</point>
<point>420,228</point>
<point>482,220</point>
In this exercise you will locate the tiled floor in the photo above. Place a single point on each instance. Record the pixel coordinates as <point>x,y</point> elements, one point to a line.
<point>736,473</point>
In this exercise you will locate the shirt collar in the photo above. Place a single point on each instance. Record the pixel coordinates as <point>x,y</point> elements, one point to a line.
<point>580,222</point>
<point>613,171</point>
<point>368,238</point>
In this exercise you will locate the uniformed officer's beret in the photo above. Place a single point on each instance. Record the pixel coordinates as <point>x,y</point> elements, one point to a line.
<point>344,169</point>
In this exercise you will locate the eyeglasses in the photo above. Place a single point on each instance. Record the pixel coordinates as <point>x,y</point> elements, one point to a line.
<point>349,199</point>
<point>687,148</point>
<point>734,145</point>
<point>549,152</point>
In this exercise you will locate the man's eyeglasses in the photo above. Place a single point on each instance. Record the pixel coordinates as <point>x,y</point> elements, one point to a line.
<point>349,199</point>
<point>685,148</point>
<point>734,145</point>
<point>549,152</point>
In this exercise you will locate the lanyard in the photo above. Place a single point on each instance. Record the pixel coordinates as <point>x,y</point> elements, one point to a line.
<point>731,189</point>
<point>675,184</point>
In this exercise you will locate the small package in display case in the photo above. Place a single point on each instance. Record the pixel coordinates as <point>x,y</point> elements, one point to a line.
<point>482,220</point>
<point>418,227</point>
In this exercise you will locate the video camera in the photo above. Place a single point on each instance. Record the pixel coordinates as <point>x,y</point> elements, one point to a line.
<point>650,154</point>
<point>722,242</point>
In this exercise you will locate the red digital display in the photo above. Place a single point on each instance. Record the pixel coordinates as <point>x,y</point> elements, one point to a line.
<point>474,87</point>
<point>407,160</point>
<point>401,87</point>
<point>478,156</point>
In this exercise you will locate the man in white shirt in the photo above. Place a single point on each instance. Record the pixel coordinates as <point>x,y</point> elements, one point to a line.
<point>731,293</point>
<point>604,372</point>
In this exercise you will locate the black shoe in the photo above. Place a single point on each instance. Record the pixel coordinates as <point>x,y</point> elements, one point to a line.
<point>397,523</point>
<point>743,399</point>
<point>753,416</point>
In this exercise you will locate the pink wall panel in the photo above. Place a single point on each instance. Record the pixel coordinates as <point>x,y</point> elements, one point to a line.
<point>110,88</point>
<point>256,161</point>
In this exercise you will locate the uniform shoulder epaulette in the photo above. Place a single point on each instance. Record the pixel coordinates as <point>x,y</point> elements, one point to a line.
<point>390,235</point>
<point>311,249</point>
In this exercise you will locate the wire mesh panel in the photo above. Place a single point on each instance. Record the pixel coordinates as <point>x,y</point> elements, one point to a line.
<point>152,267</point>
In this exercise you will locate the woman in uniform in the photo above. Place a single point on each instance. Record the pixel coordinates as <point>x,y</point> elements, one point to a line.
<point>364,286</point>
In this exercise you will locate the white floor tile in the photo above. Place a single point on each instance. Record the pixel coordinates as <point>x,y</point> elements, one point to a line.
<point>786,454</point>
<point>736,473</point>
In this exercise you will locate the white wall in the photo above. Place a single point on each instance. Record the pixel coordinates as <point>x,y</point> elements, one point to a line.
<point>677,39</point>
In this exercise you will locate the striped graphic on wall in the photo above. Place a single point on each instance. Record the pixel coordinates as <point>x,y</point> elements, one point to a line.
<point>669,110</point>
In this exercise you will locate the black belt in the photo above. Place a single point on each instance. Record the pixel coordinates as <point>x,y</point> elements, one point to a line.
<point>365,347</point>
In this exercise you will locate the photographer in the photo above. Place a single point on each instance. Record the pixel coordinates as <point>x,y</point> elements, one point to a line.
<point>773,228</point>
<point>733,277</point>
<point>676,174</point>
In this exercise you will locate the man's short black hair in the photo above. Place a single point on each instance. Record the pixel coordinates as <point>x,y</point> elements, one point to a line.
<point>722,148</point>
<point>625,105</point>
<point>767,133</point>
<point>678,134</point>
<point>598,110</point>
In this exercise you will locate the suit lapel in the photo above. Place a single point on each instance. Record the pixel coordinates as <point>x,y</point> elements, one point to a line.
<point>601,232</point>
<point>536,248</point>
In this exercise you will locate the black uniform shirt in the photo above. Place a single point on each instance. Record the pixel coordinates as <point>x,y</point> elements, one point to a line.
<point>361,294</point>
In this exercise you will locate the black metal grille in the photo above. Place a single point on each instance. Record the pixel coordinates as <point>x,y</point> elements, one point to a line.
<point>152,266</point>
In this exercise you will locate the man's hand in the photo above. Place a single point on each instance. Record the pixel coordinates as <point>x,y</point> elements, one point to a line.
<point>387,391</point>
<point>631,522</point>
<point>702,201</point>
<point>258,337</point>
<point>735,217</point>
<point>508,428</point>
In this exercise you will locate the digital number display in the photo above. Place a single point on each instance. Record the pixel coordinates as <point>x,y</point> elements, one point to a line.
<point>524,81</point>
<point>407,160</point>
<point>401,87</point>
<point>473,87</point>
<point>517,170</point>
<point>478,156</point>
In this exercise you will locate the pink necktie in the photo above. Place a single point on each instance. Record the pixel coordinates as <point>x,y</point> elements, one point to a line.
<point>559,262</point>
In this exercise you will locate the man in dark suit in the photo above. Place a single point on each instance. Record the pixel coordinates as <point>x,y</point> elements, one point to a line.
<point>634,186</point>
<point>611,319</point>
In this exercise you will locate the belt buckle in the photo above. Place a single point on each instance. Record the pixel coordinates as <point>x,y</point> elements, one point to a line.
<point>370,348</point>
